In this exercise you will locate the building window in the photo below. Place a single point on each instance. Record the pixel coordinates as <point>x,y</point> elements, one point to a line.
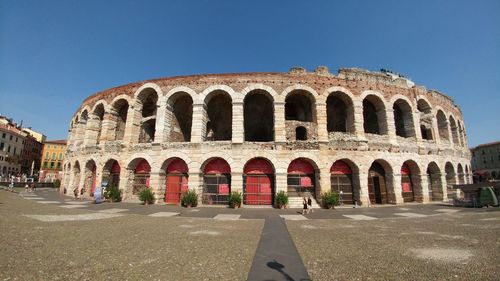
<point>60,156</point>
<point>58,165</point>
<point>52,165</point>
<point>10,137</point>
<point>45,164</point>
<point>8,148</point>
<point>53,156</point>
<point>2,145</point>
<point>3,135</point>
<point>46,155</point>
<point>17,139</point>
<point>15,148</point>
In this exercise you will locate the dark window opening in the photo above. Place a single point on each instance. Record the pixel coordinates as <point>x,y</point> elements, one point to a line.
<point>300,133</point>
<point>371,124</point>
<point>258,117</point>
<point>336,110</point>
<point>220,116</point>
<point>298,107</point>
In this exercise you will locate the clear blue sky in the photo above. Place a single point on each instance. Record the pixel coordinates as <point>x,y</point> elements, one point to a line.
<point>53,54</point>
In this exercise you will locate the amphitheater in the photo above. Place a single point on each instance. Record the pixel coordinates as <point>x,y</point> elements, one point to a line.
<point>373,137</point>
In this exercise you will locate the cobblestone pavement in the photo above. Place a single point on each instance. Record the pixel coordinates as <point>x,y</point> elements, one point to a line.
<point>48,236</point>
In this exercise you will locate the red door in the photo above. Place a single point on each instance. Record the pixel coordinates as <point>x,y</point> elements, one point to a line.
<point>258,187</point>
<point>176,185</point>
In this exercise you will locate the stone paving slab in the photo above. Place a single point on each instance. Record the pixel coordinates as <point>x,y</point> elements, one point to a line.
<point>446,210</point>
<point>293,217</point>
<point>50,202</point>
<point>360,217</point>
<point>113,211</point>
<point>410,215</point>
<point>227,217</point>
<point>34,198</point>
<point>164,214</point>
<point>73,206</point>
<point>77,202</point>
<point>83,217</point>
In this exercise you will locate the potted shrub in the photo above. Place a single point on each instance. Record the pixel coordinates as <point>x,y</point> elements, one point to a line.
<point>189,199</point>
<point>147,196</point>
<point>234,199</point>
<point>281,199</point>
<point>57,183</point>
<point>113,194</point>
<point>330,199</point>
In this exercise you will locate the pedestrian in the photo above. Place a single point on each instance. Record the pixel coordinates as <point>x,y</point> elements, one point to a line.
<point>75,192</point>
<point>304,208</point>
<point>309,205</point>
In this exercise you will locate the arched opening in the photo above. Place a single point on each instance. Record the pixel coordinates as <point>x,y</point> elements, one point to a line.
<point>90,177</point>
<point>258,182</point>
<point>450,180</point>
<point>220,116</point>
<point>339,113</point>
<point>301,179</point>
<point>426,117</point>
<point>259,117</point>
<point>148,98</point>
<point>460,172</point>
<point>299,107</point>
<point>411,189</point>
<point>141,175</point>
<point>442,125</point>
<point>403,119</point>
<point>118,116</point>
<point>97,116</point>
<point>341,182</point>
<point>111,173</point>
<point>374,116</point>
<point>454,131</point>
<point>378,190</point>
<point>216,182</point>
<point>180,114</point>
<point>300,133</point>
<point>176,180</point>
<point>434,182</point>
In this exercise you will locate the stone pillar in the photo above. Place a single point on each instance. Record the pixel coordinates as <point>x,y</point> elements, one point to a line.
<point>281,182</point>
<point>424,186</point>
<point>358,121</point>
<point>279,122</point>
<point>106,128</point>
<point>324,181</point>
<point>360,181</point>
<point>237,182</point>
<point>195,183</point>
<point>435,131</point>
<point>444,186</point>
<point>416,126</point>
<point>391,127</point>
<point>158,189</point>
<point>322,122</point>
<point>131,134</point>
<point>91,130</point>
<point>395,180</point>
<point>197,123</point>
<point>238,129</point>
<point>160,133</point>
<point>450,135</point>
<point>126,180</point>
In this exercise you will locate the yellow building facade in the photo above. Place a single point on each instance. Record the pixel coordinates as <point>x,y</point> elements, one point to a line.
<point>52,160</point>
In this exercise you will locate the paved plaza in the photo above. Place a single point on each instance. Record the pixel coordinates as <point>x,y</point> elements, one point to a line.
<point>46,236</point>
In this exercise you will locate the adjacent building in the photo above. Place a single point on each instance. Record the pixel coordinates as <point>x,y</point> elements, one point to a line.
<point>486,161</point>
<point>52,160</point>
<point>11,146</point>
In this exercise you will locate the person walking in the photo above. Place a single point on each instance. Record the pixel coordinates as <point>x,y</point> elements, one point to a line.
<point>304,208</point>
<point>309,205</point>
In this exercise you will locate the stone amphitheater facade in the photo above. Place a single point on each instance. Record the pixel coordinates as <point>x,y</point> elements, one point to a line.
<point>374,137</point>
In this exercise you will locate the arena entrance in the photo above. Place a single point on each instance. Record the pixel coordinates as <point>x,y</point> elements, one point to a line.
<point>111,173</point>
<point>258,187</point>
<point>141,176</point>
<point>341,182</point>
<point>377,189</point>
<point>301,179</point>
<point>176,181</point>
<point>406,184</point>
<point>216,182</point>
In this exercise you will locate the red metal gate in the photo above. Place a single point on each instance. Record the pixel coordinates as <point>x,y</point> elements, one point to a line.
<point>258,188</point>
<point>406,184</point>
<point>216,182</point>
<point>300,179</point>
<point>341,182</point>
<point>176,181</point>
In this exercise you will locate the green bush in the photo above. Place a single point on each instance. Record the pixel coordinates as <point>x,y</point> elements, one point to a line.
<point>57,183</point>
<point>281,199</point>
<point>234,199</point>
<point>147,196</point>
<point>189,199</point>
<point>113,193</point>
<point>330,199</point>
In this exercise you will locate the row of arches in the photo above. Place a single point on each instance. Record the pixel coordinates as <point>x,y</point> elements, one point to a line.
<point>153,117</point>
<point>380,184</point>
